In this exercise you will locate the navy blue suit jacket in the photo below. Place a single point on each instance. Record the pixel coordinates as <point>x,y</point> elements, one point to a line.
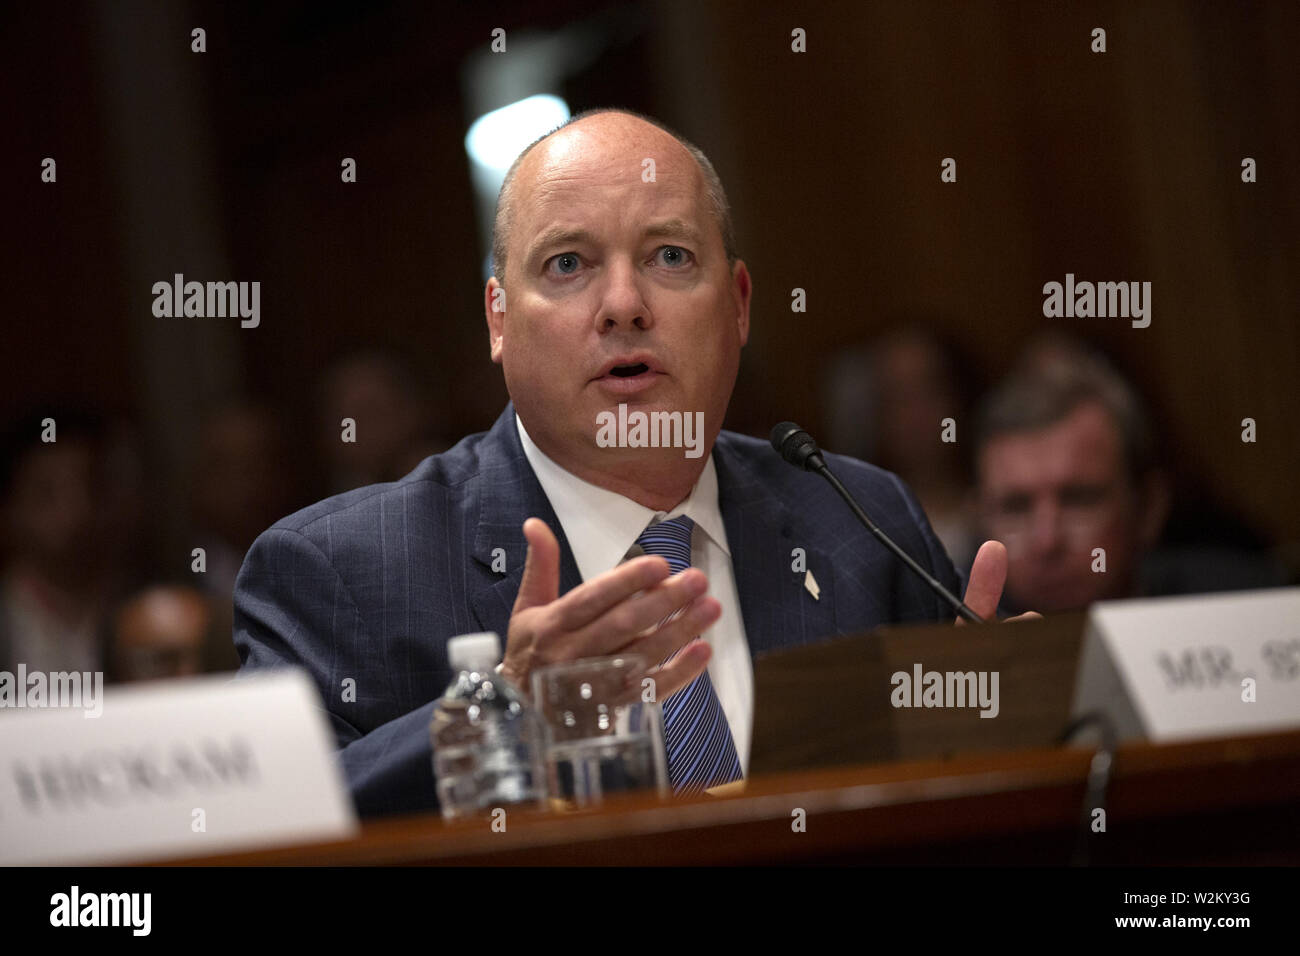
<point>370,585</point>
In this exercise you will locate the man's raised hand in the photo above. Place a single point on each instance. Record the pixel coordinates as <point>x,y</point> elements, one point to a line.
<point>618,611</point>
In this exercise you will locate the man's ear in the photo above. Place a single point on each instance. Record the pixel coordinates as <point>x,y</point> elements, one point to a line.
<point>494,310</point>
<point>741,293</point>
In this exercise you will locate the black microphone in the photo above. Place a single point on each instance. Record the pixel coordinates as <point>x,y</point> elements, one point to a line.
<point>798,448</point>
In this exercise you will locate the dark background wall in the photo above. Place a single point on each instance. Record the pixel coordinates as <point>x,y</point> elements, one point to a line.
<point>1116,166</point>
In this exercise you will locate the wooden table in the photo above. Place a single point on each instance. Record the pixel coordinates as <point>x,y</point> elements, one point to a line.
<point>1223,802</point>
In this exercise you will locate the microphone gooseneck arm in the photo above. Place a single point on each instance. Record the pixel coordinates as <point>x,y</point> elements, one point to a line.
<point>798,448</point>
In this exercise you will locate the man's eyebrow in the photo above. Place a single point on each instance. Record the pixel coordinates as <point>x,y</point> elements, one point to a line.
<point>675,228</point>
<point>560,235</point>
<point>565,235</point>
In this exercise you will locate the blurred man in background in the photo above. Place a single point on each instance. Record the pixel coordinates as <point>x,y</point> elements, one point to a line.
<point>1071,480</point>
<point>1066,466</point>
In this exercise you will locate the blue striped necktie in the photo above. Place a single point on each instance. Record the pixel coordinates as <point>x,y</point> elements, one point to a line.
<point>697,736</point>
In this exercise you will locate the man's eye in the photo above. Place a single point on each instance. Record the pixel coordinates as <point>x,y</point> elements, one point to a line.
<point>674,256</point>
<point>566,263</point>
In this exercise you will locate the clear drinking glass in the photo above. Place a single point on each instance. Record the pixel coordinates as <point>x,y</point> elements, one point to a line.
<point>600,735</point>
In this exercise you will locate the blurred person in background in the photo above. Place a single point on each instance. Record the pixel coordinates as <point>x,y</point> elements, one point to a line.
<point>1067,463</point>
<point>56,583</point>
<point>240,481</point>
<point>395,426</point>
<point>242,478</point>
<point>888,400</point>
<point>164,631</point>
<point>1204,546</point>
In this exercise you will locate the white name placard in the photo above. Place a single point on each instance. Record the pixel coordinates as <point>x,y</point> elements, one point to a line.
<point>178,768</point>
<point>1205,666</point>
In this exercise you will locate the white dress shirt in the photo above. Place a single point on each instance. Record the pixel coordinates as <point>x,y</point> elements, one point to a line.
<point>601,526</point>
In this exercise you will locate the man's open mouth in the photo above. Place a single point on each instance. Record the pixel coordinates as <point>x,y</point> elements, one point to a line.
<point>630,374</point>
<point>627,371</point>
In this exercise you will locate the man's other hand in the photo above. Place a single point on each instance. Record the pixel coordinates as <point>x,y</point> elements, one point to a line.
<point>988,576</point>
<point>617,612</point>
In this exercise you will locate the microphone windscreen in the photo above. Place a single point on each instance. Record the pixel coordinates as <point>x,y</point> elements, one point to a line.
<point>793,444</point>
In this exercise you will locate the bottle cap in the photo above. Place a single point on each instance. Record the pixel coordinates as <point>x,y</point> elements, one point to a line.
<point>474,652</point>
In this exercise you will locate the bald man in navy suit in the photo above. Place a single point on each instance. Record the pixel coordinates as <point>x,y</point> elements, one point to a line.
<point>608,291</point>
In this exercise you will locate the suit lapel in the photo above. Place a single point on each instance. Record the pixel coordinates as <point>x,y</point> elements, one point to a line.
<point>509,493</point>
<point>776,604</point>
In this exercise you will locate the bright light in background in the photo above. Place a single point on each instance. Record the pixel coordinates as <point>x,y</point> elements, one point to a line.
<point>496,138</point>
<point>493,142</point>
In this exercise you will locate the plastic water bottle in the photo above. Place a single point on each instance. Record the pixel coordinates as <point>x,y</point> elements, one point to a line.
<point>486,746</point>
